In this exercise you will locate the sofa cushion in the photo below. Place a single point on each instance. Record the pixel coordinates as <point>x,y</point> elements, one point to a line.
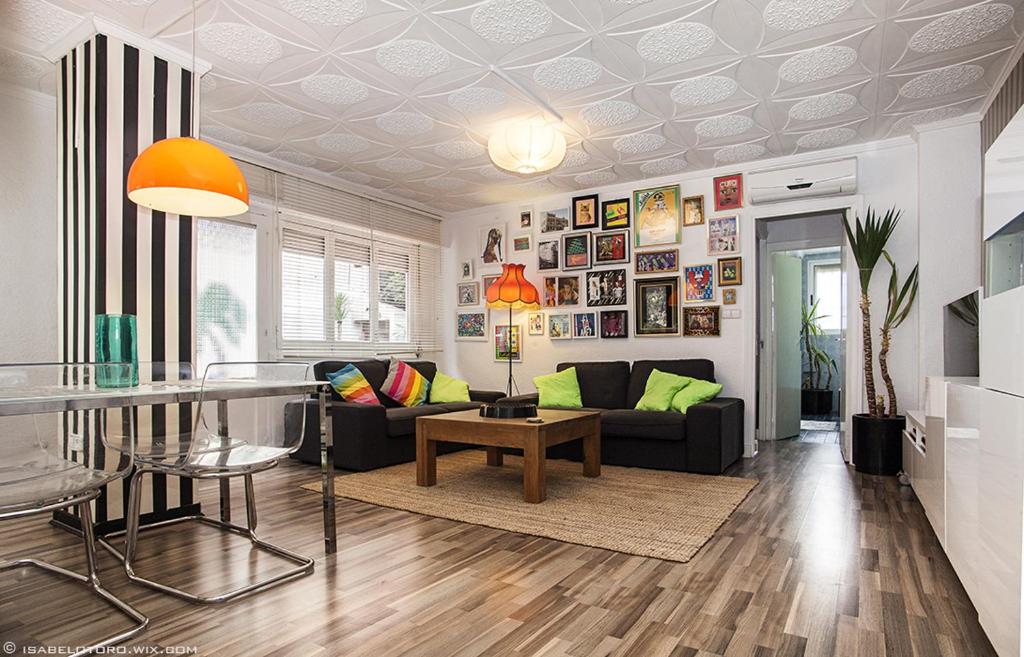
<point>651,425</point>
<point>697,368</point>
<point>660,390</point>
<point>402,420</point>
<point>375,372</point>
<point>602,384</point>
<point>448,389</point>
<point>350,384</point>
<point>558,390</point>
<point>405,384</point>
<point>697,392</point>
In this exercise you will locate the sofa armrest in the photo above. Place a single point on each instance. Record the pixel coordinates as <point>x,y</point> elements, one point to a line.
<point>486,396</point>
<point>531,398</point>
<point>714,435</point>
<point>356,428</point>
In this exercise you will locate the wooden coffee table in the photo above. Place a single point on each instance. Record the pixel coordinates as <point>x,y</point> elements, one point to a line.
<point>559,426</point>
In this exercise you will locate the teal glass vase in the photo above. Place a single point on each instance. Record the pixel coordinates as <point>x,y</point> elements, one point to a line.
<point>117,341</point>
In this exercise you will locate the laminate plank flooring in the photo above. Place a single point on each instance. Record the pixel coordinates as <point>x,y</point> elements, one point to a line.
<point>817,561</point>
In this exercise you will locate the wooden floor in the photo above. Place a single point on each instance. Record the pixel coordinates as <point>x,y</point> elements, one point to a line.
<point>817,561</point>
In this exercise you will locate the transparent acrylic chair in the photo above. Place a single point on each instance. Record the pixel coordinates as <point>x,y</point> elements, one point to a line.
<point>256,442</point>
<point>43,469</point>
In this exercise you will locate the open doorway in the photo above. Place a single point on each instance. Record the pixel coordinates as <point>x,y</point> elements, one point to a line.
<point>801,328</point>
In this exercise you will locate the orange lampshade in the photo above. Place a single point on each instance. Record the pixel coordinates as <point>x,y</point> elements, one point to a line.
<point>187,176</point>
<point>512,290</point>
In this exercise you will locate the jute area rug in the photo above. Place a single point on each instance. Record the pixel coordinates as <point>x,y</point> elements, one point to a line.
<point>650,513</point>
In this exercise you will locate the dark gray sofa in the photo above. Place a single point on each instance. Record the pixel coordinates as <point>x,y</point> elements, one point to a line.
<point>368,437</point>
<point>707,439</point>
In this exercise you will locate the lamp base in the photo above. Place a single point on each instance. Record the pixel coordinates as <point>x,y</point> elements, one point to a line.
<point>508,410</point>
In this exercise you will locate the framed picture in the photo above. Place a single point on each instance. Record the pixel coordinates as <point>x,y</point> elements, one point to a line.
<point>466,269</point>
<point>611,248</point>
<point>656,262</point>
<point>723,235</point>
<point>614,324</point>
<point>729,297</point>
<point>487,282</point>
<point>492,244</point>
<point>700,283</point>
<point>730,271</point>
<point>550,294</point>
<point>547,254</point>
<point>554,221</point>
<point>728,192</point>
<point>575,251</point>
<point>471,325</point>
<point>702,321</point>
<point>693,210</point>
<point>469,294</point>
<point>560,326</point>
<point>657,216</point>
<point>522,243</point>
<point>508,343</point>
<point>606,287</point>
<point>535,324</point>
<point>584,325</point>
<point>657,305</point>
<point>568,291</point>
<point>615,214</point>
<point>526,217</point>
<point>584,212</point>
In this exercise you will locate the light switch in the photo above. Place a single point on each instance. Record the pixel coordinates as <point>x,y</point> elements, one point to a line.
<point>731,313</point>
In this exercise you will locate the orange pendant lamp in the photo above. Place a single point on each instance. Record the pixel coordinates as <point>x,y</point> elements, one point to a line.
<point>187,176</point>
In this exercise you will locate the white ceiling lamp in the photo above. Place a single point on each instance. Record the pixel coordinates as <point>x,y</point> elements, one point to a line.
<point>530,145</point>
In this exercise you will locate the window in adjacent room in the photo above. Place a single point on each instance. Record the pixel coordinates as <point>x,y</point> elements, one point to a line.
<point>827,290</point>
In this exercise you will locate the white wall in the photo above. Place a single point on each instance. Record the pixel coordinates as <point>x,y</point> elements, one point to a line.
<point>887,173</point>
<point>28,226</point>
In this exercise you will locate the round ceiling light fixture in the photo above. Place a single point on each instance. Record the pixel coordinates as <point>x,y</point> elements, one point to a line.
<point>527,147</point>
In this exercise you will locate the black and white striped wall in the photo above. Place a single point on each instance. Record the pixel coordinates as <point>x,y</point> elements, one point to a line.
<point>114,100</point>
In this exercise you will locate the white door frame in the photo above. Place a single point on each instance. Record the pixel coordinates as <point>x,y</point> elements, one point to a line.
<point>853,376</point>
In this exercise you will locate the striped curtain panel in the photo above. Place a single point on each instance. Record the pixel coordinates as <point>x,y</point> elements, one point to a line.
<point>114,100</point>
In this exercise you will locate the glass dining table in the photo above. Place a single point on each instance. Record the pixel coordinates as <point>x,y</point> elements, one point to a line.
<point>59,398</point>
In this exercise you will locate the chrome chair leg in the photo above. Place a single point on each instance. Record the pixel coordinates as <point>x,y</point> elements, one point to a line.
<point>91,581</point>
<point>133,529</point>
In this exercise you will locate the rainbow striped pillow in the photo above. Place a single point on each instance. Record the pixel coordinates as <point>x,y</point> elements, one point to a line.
<point>405,385</point>
<point>350,383</point>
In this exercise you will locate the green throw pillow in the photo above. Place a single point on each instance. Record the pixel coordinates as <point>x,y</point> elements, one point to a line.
<point>697,392</point>
<point>559,390</point>
<point>445,389</point>
<point>660,389</point>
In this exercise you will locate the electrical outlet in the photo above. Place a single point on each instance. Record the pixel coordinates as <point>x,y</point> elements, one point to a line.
<point>76,442</point>
<point>731,313</point>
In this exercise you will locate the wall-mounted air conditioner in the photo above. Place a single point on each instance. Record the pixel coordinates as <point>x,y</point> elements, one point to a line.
<point>804,181</point>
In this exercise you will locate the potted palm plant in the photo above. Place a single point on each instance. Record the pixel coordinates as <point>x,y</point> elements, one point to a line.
<point>877,433</point>
<point>815,399</point>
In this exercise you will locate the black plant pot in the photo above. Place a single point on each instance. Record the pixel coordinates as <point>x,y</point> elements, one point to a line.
<point>877,446</point>
<point>816,402</point>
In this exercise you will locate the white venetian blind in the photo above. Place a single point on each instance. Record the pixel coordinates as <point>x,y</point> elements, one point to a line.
<point>303,255</point>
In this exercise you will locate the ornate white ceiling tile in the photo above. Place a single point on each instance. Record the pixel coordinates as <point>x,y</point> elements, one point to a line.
<point>225,134</point>
<point>739,153</point>
<point>927,116</point>
<point>345,144</point>
<point>405,123</point>
<point>800,14</point>
<point>208,83</point>
<point>942,81</point>
<point>38,20</point>
<point>822,107</point>
<point>413,58</point>
<point>20,66</point>
<point>511,22</point>
<point>663,167</point>
<point>240,43</point>
<point>826,138</point>
<point>272,114</point>
<point>817,64</point>
<point>400,165</point>
<point>335,89</point>
<point>568,73</point>
<point>445,184</point>
<point>493,173</point>
<point>356,177</point>
<point>707,90</point>
<point>643,142</point>
<point>459,150</point>
<point>724,126</point>
<point>132,3</point>
<point>477,100</point>
<point>595,178</point>
<point>325,12</point>
<point>960,28</point>
<point>575,158</point>
<point>610,112</point>
<point>295,157</point>
<point>676,42</point>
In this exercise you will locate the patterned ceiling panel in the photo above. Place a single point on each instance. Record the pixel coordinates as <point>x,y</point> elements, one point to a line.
<point>401,95</point>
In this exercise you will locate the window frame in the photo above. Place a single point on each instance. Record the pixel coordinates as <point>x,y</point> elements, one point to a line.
<point>812,284</point>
